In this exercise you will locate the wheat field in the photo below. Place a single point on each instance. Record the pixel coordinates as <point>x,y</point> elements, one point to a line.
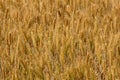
<point>59,39</point>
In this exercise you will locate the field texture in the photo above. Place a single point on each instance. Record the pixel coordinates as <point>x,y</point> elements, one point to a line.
<point>59,39</point>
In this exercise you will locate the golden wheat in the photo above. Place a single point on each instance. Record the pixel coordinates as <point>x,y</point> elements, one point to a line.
<point>59,40</point>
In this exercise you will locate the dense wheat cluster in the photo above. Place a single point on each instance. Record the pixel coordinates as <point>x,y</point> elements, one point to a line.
<point>59,39</point>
